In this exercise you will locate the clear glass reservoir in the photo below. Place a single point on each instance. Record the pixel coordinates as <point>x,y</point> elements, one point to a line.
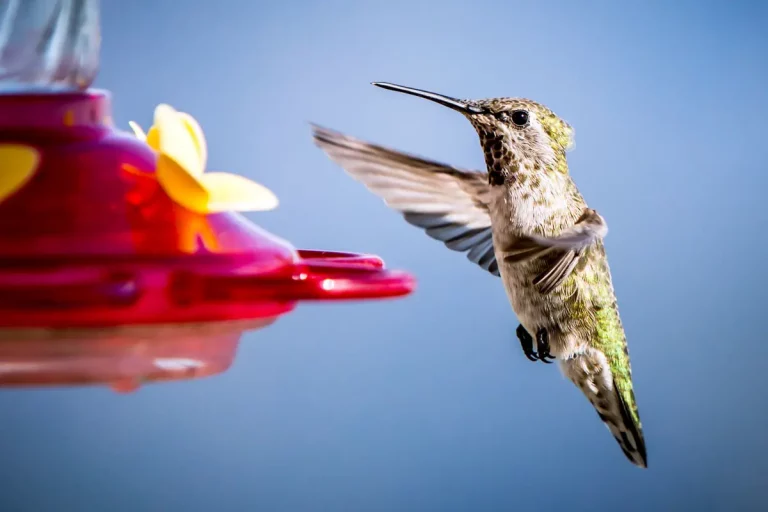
<point>48,45</point>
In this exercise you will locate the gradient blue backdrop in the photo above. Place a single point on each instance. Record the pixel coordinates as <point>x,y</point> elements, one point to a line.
<point>427,403</point>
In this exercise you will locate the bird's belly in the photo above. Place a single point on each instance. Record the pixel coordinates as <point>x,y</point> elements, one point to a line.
<point>560,312</point>
<point>554,312</point>
<point>529,305</point>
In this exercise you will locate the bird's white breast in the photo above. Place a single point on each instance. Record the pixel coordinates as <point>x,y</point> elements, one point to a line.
<point>516,211</point>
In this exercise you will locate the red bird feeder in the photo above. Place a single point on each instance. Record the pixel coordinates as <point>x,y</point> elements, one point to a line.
<point>89,236</point>
<point>99,227</point>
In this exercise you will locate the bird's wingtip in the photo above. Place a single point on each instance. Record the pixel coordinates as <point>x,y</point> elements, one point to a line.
<point>319,133</point>
<point>319,130</point>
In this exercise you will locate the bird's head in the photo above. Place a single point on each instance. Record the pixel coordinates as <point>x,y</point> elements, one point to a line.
<point>518,136</point>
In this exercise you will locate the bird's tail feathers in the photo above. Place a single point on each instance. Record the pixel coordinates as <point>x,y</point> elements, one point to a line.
<point>591,373</point>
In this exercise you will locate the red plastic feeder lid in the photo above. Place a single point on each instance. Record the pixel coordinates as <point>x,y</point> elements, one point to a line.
<point>98,227</point>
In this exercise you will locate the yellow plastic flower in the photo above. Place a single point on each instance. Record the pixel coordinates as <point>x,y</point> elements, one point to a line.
<point>18,163</point>
<point>180,143</point>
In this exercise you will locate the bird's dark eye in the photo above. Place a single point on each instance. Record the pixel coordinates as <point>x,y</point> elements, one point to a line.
<point>520,117</point>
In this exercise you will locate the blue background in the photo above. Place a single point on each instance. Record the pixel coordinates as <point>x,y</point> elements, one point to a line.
<point>427,403</point>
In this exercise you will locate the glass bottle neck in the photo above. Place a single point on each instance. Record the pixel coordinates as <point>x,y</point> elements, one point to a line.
<point>48,45</point>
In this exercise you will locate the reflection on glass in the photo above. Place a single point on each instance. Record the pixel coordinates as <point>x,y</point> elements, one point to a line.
<point>123,357</point>
<point>48,45</point>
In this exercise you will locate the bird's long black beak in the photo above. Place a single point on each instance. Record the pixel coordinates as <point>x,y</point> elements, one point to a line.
<point>447,101</point>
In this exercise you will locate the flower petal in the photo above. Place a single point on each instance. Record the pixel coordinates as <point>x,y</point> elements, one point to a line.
<point>176,141</point>
<point>232,192</point>
<point>137,130</point>
<point>183,188</point>
<point>18,164</point>
<point>197,134</point>
<point>153,138</point>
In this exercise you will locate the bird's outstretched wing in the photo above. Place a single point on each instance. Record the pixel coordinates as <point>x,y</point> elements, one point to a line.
<point>570,244</point>
<point>450,204</point>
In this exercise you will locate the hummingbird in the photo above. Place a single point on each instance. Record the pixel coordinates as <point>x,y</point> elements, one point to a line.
<point>525,221</point>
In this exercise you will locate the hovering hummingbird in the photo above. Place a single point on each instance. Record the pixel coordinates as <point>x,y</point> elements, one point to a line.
<point>525,221</point>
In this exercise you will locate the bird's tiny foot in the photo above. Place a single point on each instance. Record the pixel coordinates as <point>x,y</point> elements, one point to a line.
<point>542,345</point>
<point>526,341</point>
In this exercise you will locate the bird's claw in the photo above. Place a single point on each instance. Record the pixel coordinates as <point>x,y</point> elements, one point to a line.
<point>526,341</point>
<point>542,345</point>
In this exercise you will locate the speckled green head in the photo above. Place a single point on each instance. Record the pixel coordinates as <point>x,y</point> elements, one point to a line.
<point>517,135</point>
